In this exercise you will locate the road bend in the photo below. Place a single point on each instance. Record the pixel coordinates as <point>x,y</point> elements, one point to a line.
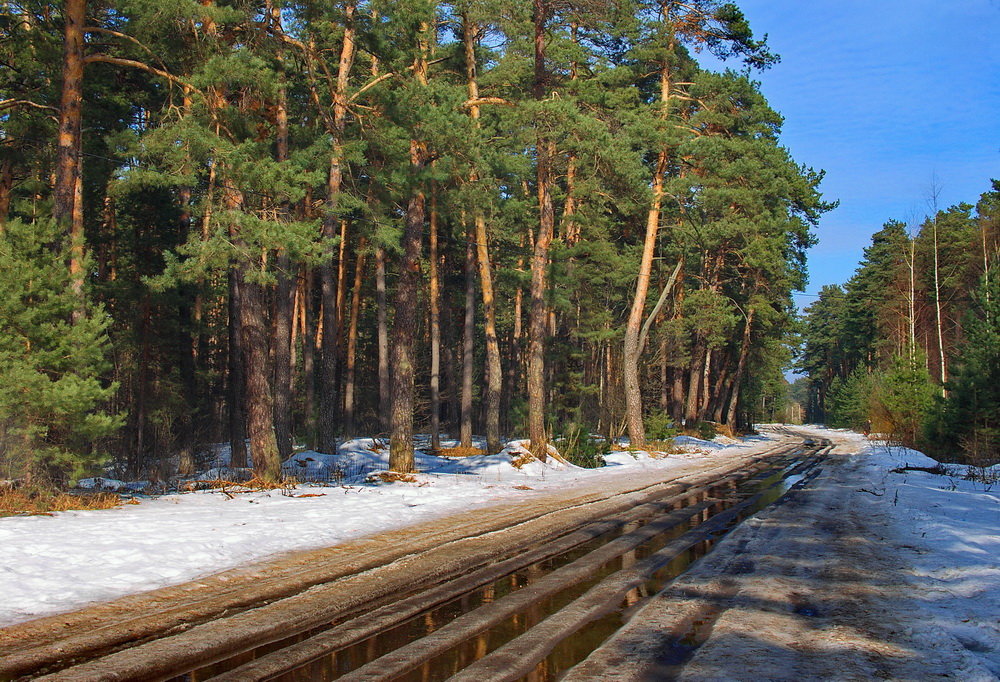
<point>511,592</point>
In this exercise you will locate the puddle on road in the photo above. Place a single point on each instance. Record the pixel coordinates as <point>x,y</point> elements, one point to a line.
<point>575,646</point>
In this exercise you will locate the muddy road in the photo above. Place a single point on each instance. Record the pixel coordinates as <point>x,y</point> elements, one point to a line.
<point>513,591</point>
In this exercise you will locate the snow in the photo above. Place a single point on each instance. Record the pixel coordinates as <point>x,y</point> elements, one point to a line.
<point>52,564</point>
<point>947,530</point>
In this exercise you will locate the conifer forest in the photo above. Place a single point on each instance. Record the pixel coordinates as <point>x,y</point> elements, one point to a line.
<point>910,345</point>
<point>285,222</point>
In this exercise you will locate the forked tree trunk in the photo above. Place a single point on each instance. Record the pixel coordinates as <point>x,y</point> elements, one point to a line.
<point>631,345</point>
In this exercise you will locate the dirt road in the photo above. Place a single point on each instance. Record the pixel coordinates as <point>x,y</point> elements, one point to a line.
<point>807,590</point>
<point>161,633</point>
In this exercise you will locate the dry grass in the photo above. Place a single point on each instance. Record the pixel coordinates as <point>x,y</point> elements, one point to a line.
<point>392,477</point>
<point>522,459</point>
<point>725,430</point>
<point>460,451</point>
<point>662,448</point>
<point>42,502</point>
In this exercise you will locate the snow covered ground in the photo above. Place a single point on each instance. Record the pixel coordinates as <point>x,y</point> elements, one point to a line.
<point>947,529</point>
<point>52,564</point>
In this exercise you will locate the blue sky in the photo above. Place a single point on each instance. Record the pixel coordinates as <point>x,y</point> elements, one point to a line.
<point>888,97</point>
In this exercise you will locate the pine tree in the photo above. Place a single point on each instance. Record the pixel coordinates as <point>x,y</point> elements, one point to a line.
<point>53,354</point>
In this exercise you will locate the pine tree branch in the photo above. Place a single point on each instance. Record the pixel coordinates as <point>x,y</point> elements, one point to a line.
<point>479,101</point>
<point>11,103</point>
<point>119,61</point>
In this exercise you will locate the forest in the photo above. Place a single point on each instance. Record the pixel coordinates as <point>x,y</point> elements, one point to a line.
<point>909,347</point>
<point>274,223</point>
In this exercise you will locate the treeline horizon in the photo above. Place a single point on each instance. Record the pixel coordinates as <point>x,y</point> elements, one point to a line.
<point>283,222</point>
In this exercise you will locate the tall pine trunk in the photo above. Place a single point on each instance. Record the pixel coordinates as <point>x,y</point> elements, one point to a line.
<point>328,380</point>
<point>404,327</point>
<point>284,298</point>
<point>740,370</point>
<point>254,347</point>
<point>435,310</point>
<point>6,189</point>
<point>352,339</point>
<point>67,208</point>
<point>538,324</point>
<point>494,372</point>
<point>468,344</point>
<point>260,406</point>
<point>235,378</point>
<point>382,338</point>
<point>328,388</point>
<point>309,355</point>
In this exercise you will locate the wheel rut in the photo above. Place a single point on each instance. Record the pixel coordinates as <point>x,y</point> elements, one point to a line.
<point>502,593</point>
